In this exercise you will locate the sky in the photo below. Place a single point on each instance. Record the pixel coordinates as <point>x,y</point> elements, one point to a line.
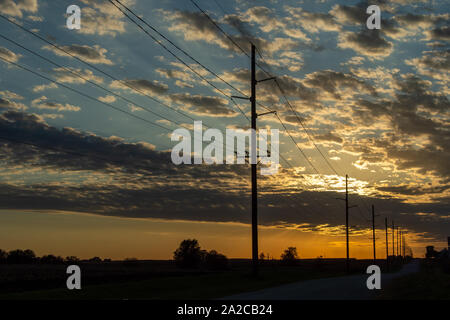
<point>86,118</point>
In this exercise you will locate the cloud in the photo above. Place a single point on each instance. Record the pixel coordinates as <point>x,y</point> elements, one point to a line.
<point>17,7</point>
<point>366,42</point>
<point>441,33</point>
<point>354,15</point>
<point>77,76</point>
<point>43,87</point>
<point>410,190</point>
<point>175,74</point>
<point>107,99</point>
<point>143,86</point>
<point>334,82</point>
<point>114,177</point>
<point>100,17</point>
<point>94,54</point>
<point>46,104</point>
<point>8,55</point>
<point>313,22</point>
<point>204,105</point>
<point>434,64</point>
<point>415,141</point>
<point>8,104</point>
<point>194,26</point>
<point>329,137</point>
<point>10,95</point>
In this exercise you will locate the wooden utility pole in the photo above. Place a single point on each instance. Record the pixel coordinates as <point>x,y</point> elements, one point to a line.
<point>387,243</point>
<point>401,243</point>
<point>373,232</point>
<point>393,239</point>
<point>254,158</point>
<point>347,207</point>
<point>346,224</point>
<point>253,165</point>
<point>397,241</point>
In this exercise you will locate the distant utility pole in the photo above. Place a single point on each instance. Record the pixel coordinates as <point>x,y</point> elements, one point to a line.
<point>387,242</point>
<point>401,243</point>
<point>404,245</point>
<point>253,164</point>
<point>397,241</point>
<point>393,239</point>
<point>253,158</point>
<point>373,232</point>
<point>346,222</point>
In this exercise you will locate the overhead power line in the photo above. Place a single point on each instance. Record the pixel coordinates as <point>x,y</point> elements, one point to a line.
<point>174,55</point>
<point>59,48</point>
<point>84,94</point>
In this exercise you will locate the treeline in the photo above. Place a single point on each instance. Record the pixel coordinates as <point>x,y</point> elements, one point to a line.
<point>190,255</point>
<point>29,257</point>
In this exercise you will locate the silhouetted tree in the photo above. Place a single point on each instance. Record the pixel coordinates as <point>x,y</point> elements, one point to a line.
<point>21,257</point>
<point>95,260</point>
<point>216,261</point>
<point>72,260</point>
<point>189,254</point>
<point>289,256</point>
<point>51,259</point>
<point>431,253</point>
<point>3,256</point>
<point>262,256</point>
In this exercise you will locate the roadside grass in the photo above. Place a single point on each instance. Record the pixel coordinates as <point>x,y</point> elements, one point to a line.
<point>428,284</point>
<point>210,286</point>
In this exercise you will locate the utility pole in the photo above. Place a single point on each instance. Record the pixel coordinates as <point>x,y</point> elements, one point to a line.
<point>393,239</point>
<point>253,164</point>
<point>347,207</point>
<point>387,243</point>
<point>253,159</point>
<point>401,243</point>
<point>397,241</point>
<point>373,232</point>
<point>346,223</point>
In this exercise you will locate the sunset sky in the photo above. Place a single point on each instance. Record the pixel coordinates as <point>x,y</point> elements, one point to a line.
<point>101,181</point>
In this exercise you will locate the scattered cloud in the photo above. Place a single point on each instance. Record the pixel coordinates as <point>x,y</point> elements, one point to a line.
<point>94,54</point>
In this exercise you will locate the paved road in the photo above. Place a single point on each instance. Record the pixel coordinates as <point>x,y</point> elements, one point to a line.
<point>341,288</point>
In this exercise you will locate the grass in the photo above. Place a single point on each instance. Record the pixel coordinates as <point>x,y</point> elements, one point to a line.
<point>208,286</point>
<point>430,284</point>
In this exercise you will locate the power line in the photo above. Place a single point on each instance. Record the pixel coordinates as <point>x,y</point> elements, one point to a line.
<point>90,81</point>
<point>94,67</point>
<point>176,57</point>
<point>282,91</point>
<point>178,47</point>
<point>221,30</point>
<point>84,94</point>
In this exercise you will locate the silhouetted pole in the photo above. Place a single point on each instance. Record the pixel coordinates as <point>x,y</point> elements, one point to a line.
<point>373,232</point>
<point>254,158</point>
<point>387,243</point>
<point>346,223</point>
<point>347,207</point>
<point>401,243</point>
<point>254,168</point>
<point>393,239</point>
<point>404,245</point>
<point>397,241</point>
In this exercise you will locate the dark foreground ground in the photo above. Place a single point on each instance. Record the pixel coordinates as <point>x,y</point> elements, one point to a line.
<point>162,279</point>
<point>430,283</point>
